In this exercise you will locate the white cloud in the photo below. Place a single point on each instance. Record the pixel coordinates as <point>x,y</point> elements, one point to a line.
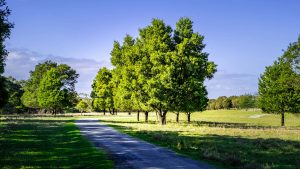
<point>21,61</point>
<point>228,84</point>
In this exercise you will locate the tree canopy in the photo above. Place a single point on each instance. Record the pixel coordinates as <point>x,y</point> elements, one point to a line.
<point>279,85</point>
<point>161,70</point>
<point>5,28</point>
<point>50,87</point>
<point>57,88</point>
<point>14,89</point>
<point>31,87</point>
<point>103,90</point>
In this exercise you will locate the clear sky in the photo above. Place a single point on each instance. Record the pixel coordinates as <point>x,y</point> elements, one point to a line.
<point>242,36</point>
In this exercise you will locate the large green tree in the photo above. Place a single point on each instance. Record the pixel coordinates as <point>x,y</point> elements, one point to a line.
<point>57,89</point>
<point>279,86</point>
<point>161,72</point>
<point>31,87</point>
<point>103,91</point>
<point>5,28</point>
<point>157,49</point>
<point>128,92</point>
<point>189,68</point>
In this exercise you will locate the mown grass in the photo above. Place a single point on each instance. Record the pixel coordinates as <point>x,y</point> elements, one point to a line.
<point>226,138</point>
<point>47,143</point>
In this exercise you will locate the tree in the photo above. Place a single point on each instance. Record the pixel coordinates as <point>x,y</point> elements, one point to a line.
<point>235,102</point>
<point>3,92</point>
<point>57,89</point>
<point>189,69</point>
<point>161,72</point>
<point>219,102</point>
<point>5,28</point>
<point>157,48</point>
<point>279,85</point>
<point>82,106</point>
<point>103,90</point>
<point>123,74</point>
<point>14,89</point>
<point>211,104</point>
<point>227,103</point>
<point>31,87</point>
<point>247,101</point>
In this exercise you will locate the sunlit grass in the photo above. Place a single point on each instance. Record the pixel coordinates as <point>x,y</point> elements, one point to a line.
<point>47,143</point>
<point>227,138</point>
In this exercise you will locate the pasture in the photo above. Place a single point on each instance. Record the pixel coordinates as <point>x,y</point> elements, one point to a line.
<point>224,138</point>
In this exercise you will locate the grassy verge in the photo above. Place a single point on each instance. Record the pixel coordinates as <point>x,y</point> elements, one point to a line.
<point>47,143</point>
<point>237,142</point>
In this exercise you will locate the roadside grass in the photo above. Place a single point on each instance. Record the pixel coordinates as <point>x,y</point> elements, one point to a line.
<point>47,143</point>
<point>226,138</point>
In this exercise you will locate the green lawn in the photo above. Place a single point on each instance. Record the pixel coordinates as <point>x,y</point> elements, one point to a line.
<point>47,143</point>
<point>226,138</point>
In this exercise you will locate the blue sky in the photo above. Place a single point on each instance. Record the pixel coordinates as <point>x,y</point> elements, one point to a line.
<point>242,37</point>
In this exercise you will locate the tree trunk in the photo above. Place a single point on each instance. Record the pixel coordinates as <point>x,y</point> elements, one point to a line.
<point>188,117</point>
<point>113,111</point>
<point>129,113</point>
<point>138,115</point>
<point>146,117</point>
<point>162,117</point>
<point>104,111</point>
<point>177,117</point>
<point>282,119</point>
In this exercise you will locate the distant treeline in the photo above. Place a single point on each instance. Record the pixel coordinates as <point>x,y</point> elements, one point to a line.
<point>246,101</point>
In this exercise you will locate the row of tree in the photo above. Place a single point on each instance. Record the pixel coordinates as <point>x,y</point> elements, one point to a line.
<point>161,70</point>
<point>246,101</point>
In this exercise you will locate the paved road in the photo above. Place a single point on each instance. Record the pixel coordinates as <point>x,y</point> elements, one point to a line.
<point>132,153</point>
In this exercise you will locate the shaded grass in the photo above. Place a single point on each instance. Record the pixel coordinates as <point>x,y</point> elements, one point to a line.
<point>225,142</point>
<point>47,143</point>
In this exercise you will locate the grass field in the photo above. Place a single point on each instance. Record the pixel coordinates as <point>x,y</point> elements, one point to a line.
<point>226,138</point>
<point>47,143</point>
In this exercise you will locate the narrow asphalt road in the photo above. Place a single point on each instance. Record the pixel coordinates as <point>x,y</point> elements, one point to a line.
<point>129,152</point>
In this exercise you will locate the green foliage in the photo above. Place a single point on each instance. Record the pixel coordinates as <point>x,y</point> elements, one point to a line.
<point>3,92</point>
<point>82,106</point>
<point>14,89</point>
<point>279,86</point>
<point>160,70</point>
<point>246,101</point>
<point>31,87</point>
<point>103,90</point>
<point>190,67</point>
<point>5,28</point>
<point>57,88</point>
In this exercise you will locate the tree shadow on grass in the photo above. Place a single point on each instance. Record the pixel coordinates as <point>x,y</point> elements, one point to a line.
<point>124,122</point>
<point>47,144</point>
<point>236,125</point>
<point>228,151</point>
